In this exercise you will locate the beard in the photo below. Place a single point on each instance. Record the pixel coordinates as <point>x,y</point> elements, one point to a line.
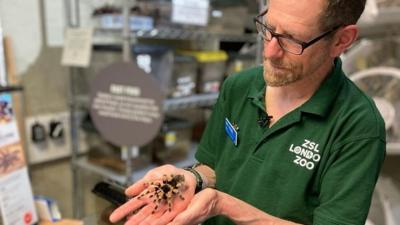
<point>278,73</point>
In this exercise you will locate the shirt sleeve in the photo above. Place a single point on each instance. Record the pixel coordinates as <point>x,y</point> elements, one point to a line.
<point>349,181</point>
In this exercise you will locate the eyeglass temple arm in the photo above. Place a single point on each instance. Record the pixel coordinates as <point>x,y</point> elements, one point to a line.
<point>262,13</point>
<point>305,45</point>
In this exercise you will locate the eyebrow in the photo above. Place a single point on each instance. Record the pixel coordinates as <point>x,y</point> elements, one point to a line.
<point>285,33</point>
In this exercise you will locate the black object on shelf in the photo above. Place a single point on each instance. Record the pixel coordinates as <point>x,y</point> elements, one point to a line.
<point>12,88</point>
<point>110,192</point>
<point>38,133</point>
<point>56,130</point>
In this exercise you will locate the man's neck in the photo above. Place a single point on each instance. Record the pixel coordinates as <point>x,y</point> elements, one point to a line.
<point>281,100</point>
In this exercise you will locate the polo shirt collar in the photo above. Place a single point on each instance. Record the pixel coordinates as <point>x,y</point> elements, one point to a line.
<point>320,103</point>
<point>322,100</point>
<point>257,91</point>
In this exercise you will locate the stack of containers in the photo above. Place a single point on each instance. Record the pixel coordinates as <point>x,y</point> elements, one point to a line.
<point>211,68</point>
<point>184,76</point>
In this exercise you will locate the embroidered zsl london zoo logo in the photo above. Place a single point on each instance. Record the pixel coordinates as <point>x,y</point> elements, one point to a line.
<point>306,154</point>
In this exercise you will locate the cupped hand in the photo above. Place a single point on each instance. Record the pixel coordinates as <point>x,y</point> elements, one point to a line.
<point>149,204</point>
<point>203,206</point>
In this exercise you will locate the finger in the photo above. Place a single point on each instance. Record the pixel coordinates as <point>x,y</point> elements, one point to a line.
<point>159,212</point>
<point>183,218</point>
<point>166,218</point>
<point>188,216</point>
<point>153,218</point>
<point>141,215</point>
<point>125,209</point>
<point>135,188</point>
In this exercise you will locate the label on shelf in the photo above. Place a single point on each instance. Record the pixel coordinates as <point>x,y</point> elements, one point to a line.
<point>77,47</point>
<point>192,12</point>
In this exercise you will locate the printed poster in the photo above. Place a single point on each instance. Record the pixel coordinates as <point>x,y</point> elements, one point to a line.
<point>16,198</point>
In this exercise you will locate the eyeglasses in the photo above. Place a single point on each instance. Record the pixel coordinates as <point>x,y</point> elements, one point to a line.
<point>286,42</point>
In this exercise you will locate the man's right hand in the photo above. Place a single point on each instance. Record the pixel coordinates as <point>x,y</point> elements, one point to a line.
<point>145,208</point>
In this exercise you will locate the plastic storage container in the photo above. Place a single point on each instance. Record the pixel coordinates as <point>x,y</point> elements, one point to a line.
<point>239,62</point>
<point>163,13</point>
<point>184,77</point>
<point>211,69</point>
<point>228,20</point>
<point>156,60</point>
<point>173,143</point>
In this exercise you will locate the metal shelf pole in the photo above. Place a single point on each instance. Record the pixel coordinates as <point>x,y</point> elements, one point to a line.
<point>73,21</point>
<point>260,42</point>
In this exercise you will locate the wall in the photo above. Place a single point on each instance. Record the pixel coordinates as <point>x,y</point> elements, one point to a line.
<point>20,20</point>
<point>35,30</point>
<point>38,67</point>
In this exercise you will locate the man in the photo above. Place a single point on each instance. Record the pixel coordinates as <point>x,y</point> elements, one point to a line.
<point>294,142</point>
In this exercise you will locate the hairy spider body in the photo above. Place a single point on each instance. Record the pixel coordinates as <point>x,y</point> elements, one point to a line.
<point>165,191</point>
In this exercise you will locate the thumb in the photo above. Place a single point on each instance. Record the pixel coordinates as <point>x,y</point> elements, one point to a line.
<point>182,219</point>
<point>186,217</point>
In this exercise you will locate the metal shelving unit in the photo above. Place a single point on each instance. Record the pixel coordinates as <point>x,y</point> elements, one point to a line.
<point>193,101</point>
<point>113,36</point>
<point>84,163</point>
<point>124,38</point>
<point>386,23</point>
<point>13,88</point>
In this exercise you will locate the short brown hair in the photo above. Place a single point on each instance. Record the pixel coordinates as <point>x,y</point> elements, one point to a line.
<point>341,13</point>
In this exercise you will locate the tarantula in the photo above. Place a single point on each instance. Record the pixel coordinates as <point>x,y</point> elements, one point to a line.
<point>165,190</point>
<point>7,159</point>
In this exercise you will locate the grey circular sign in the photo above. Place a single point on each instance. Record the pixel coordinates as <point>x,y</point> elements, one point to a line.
<point>126,105</point>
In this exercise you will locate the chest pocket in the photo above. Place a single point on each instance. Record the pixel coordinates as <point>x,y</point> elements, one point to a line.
<point>234,158</point>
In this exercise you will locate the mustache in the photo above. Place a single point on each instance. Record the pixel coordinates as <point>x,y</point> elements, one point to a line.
<point>277,63</point>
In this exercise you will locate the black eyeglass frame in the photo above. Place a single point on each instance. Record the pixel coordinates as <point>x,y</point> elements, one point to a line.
<point>303,44</point>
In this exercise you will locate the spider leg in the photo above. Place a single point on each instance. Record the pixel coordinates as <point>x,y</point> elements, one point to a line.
<point>169,200</point>
<point>165,179</point>
<point>159,195</point>
<point>156,191</point>
<point>169,195</point>
<point>177,192</point>
<point>149,190</point>
<point>156,195</point>
<point>157,203</point>
<point>172,176</point>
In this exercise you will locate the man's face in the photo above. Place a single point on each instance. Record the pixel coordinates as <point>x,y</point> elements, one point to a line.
<point>300,20</point>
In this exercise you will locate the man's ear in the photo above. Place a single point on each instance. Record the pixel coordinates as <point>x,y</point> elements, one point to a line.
<point>343,39</point>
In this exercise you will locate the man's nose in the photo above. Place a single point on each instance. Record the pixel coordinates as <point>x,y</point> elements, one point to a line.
<point>272,49</point>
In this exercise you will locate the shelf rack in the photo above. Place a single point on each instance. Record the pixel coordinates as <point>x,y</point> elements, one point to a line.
<point>13,88</point>
<point>123,39</point>
<point>172,104</point>
<point>113,36</point>
<point>83,163</point>
<point>386,23</point>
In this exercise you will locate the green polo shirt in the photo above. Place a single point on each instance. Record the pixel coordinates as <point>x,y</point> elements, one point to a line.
<point>317,165</point>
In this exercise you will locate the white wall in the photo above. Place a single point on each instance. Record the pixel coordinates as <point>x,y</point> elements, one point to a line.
<point>21,21</point>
